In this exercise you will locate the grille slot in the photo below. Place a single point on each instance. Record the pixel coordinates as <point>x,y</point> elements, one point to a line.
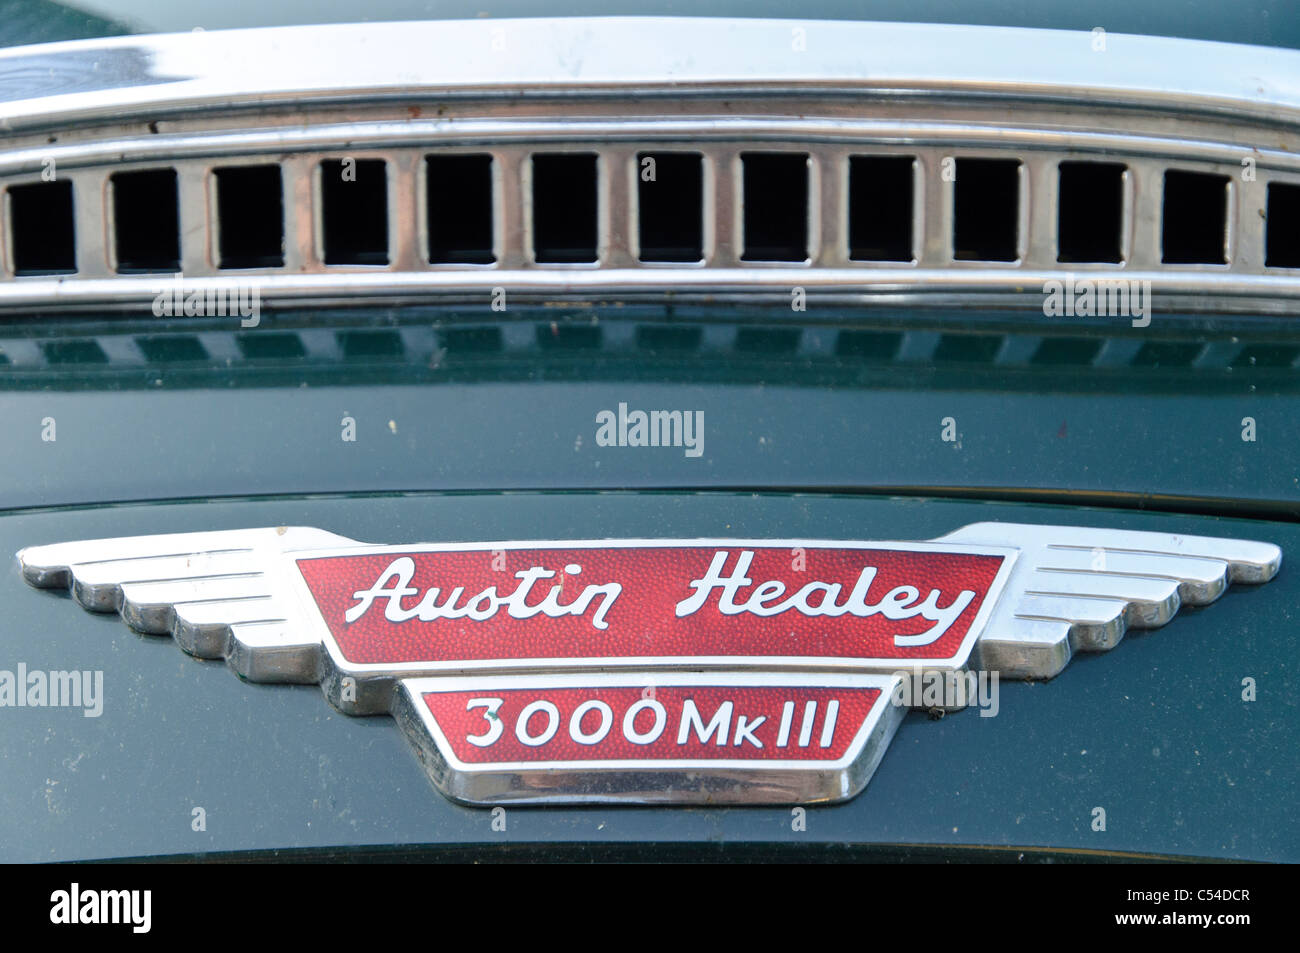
<point>272,345</point>
<point>459,200</point>
<point>1167,354</point>
<point>250,216</point>
<point>1090,212</point>
<point>775,206</point>
<point>1064,351</point>
<point>875,346</point>
<point>1195,218</point>
<point>880,207</point>
<point>146,221</point>
<point>41,228</point>
<point>564,208</point>
<point>670,206</point>
<point>354,209</point>
<point>1266,355</point>
<point>171,348</point>
<point>1283,237</point>
<point>986,209</point>
<point>74,352</point>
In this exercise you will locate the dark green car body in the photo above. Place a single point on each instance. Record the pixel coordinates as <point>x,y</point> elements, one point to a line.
<point>482,446</point>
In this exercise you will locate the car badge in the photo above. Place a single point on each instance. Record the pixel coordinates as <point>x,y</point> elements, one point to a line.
<point>673,671</point>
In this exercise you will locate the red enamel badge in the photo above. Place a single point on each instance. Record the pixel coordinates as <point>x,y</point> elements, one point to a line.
<point>659,604</point>
<point>675,671</point>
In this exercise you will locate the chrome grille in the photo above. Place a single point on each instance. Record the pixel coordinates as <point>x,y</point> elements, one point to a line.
<point>845,187</point>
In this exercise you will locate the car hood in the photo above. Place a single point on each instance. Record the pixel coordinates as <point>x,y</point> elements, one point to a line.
<point>1156,732</point>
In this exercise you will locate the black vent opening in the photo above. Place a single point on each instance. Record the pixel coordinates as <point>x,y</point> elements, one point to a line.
<point>670,206</point>
<point>1167,354</point>
<point>986,210</point>
<point>263,345</point>
<point>1067,351</point>
<point>250,217</point>
<point>172,348</point>
<point>354,204</point>
<point>564,208</point>
<point>1195,218</point>
<point>146,221</point>
<point>1282,241</point>
<point>44,236</point>
<point>880,208</point>
<point>775,206</point>
<point>1090,212</point>
<point>459,189</point>
<point>74,352</point>
<point>1266,355</point>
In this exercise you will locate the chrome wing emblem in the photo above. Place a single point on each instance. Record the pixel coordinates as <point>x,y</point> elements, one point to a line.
<point>652,671</point>
<point>1076,589</point>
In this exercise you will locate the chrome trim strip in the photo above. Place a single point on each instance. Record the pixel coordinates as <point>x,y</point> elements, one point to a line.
<point>472,133</point>
<point>126,76</point>
<point>777,279</point>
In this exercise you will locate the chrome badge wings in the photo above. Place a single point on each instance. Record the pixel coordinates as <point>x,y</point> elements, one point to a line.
<point>652,671</point>
<point>1080,589</point>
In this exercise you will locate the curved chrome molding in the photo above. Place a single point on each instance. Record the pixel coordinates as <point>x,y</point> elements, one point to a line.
<point>131,76</point>
<point>328,137</point>
<point>1195,292</point>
